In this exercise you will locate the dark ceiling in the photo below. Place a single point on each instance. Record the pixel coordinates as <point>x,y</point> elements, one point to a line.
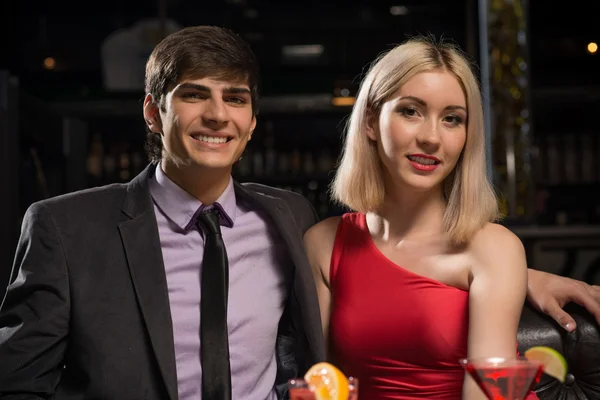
<point>350,32</point>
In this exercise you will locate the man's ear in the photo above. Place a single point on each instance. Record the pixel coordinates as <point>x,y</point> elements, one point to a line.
<point>371,125</point>
<point>252,127</point>
<point>152,114</point>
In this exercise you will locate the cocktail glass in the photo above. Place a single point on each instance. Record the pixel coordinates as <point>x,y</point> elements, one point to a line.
<point>504,378</point>
<point>302,390</point>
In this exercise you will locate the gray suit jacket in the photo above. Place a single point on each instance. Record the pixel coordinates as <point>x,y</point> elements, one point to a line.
<point>87,315</point>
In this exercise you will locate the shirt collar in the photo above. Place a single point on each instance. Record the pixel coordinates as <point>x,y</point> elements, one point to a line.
<point>182,208</point>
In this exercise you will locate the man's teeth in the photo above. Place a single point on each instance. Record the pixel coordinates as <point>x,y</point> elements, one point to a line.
<point>422,160</point>
<point>210,139</point>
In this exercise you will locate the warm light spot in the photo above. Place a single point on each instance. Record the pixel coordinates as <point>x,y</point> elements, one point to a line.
<point>343,101</point>
<point>49,63</point>
<point>592,47</point>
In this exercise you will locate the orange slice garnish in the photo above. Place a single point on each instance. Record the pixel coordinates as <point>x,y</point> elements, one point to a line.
<point>328,382</point>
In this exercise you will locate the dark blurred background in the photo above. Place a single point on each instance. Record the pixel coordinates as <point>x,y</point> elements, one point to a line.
<point>71,86</point>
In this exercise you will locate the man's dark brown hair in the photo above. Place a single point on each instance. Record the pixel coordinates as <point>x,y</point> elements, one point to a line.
<point>193,53</point>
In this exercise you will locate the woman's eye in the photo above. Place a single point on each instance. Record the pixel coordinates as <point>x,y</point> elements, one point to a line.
<point>454,119</point>
<point>408,111</point>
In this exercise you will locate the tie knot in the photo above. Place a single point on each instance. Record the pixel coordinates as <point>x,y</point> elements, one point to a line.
<point>209,221</point>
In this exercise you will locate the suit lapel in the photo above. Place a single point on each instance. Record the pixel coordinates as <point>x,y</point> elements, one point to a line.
<point>305,291</point>
<point>144,256</point>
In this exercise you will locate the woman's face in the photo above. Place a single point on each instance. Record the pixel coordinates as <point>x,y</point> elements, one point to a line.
<point>421,131</point>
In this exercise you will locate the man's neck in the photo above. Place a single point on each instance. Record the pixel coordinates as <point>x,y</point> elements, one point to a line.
<point>206,185</point>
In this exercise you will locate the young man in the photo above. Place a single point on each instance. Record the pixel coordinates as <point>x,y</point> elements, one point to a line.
<point>105,295</point>
<point>107,289</point>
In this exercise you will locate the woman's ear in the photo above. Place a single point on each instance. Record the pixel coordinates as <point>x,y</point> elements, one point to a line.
<point>371,125</point>
<point>152,114</point>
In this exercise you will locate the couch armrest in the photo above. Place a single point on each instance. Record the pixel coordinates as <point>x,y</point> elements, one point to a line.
<point>580,348</point>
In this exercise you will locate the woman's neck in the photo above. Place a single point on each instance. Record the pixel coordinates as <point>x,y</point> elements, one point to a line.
<point>418,216</point>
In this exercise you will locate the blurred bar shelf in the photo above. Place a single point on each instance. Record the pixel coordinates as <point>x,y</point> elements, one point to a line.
<point>566,94</point>
<point>320,103</point>
<point>555,231</point>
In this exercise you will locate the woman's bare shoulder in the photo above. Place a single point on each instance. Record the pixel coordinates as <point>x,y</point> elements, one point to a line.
<point>497,245</point>
<point>323,231</point>
<point>318,242</point>
<point>495,233</point>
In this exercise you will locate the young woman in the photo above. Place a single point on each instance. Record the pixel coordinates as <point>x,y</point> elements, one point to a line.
<point>419,275</point>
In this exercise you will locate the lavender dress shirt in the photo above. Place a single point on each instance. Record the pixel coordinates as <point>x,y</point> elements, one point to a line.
<point>257,287</point>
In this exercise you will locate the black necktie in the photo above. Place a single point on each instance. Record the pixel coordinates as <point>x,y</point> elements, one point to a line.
<point>216,374</point>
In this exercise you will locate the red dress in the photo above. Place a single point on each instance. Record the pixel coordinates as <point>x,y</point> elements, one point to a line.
<point>399,333</point>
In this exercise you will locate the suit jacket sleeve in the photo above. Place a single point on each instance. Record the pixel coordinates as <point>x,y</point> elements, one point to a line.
<point>34,315</point>
<point>303,211</point>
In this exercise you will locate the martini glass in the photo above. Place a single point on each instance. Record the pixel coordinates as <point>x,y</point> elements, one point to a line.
<point>503,378</point>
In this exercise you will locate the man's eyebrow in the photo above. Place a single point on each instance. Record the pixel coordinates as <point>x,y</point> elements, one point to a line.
<point>203,88</point>
<point>236,90</point>
<point>194,86</point>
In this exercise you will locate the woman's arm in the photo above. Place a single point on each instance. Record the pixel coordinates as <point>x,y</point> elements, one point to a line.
<point>318,242</point>
<point>496,296</point>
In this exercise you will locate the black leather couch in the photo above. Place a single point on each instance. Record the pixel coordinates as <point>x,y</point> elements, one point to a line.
<point>580,348</point>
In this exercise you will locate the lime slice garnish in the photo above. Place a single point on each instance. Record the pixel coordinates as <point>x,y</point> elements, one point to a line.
<point>553,363</point>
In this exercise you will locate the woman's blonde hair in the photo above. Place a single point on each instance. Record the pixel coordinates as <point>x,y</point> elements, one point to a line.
<point>358,183</point>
